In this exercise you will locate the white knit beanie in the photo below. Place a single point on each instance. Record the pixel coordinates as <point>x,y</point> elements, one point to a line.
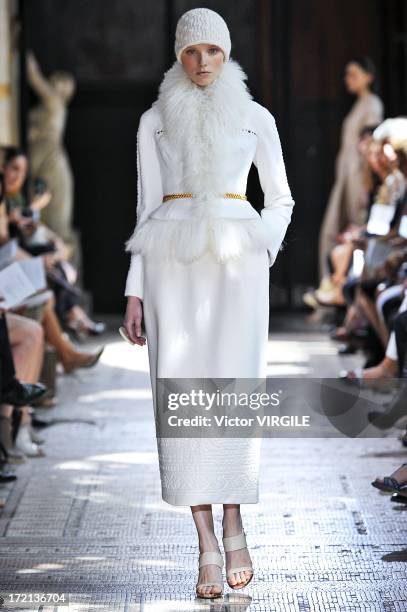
<point>202,25</point>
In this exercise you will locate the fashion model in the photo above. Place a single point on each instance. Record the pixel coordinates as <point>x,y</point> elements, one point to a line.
<point>199,272</point>
<point>347,202</point>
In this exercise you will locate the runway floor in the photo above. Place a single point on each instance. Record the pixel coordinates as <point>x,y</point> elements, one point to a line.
<point>88,519</point>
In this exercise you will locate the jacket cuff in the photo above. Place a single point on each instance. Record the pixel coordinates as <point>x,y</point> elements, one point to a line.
<point>276,222</point>
<point>135,279</point>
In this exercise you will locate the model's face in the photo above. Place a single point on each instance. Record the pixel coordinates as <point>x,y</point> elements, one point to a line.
<point>202,63</point>
<point>356,79</point>
<point>15,172</point>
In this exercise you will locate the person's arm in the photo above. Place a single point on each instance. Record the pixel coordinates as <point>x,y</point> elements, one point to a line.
<point>278,201</point>
<point>149,196</point>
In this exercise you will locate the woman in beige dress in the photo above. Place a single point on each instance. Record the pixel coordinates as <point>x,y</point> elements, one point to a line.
<point>347,202</point>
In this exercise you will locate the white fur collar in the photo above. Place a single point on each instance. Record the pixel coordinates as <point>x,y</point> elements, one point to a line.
<point>200,123</point>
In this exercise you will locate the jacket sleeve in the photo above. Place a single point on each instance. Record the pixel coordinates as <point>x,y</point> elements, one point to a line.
<point>278,202</point>
<point>149,195</point>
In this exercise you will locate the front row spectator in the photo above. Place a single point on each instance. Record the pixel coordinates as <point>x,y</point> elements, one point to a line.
<point>15,393</point>
<point>36,238</point>
<point>369,275</point>
<point>29,321</point>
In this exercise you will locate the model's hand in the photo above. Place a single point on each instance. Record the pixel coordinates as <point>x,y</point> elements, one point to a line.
<point>132,320</point>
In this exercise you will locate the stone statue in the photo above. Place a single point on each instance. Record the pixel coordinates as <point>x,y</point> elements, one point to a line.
<point>48,158</point>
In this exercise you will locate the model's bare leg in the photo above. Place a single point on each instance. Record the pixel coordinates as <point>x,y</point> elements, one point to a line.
<point>232,525</point>
<point>203,519</point>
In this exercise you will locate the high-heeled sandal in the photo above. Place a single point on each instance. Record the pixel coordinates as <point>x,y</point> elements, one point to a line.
<point>389,484</point>
<point>210,558</point>
<point>230,544</point>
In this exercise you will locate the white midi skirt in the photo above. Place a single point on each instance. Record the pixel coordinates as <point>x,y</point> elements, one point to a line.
<point>207,319</point>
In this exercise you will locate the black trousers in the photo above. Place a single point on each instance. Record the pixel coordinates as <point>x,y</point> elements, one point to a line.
<point>7,371</point>
<point>400,329</point>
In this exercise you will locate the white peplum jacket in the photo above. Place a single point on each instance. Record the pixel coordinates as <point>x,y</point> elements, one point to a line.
<point>204,141</point>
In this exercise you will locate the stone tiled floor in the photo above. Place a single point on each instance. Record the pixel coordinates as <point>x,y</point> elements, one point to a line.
<point>88,519</point>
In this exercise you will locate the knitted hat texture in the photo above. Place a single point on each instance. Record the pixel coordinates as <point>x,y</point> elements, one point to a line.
<point>202,25</point>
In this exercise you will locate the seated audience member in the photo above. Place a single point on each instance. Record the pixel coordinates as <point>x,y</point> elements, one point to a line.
<point>35,238</point>
<point>69,356</point>
<point>27,349</point>
<point>383,281</point>
<point>26,338</point>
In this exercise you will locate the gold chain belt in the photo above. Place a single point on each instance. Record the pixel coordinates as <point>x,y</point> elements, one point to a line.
<point>174,196</point>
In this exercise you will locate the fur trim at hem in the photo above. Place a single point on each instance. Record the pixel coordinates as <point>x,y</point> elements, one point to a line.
<point>188,239</point>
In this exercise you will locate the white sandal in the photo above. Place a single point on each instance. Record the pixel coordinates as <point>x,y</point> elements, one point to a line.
<point>230,544</point>
<point>210,558</point>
